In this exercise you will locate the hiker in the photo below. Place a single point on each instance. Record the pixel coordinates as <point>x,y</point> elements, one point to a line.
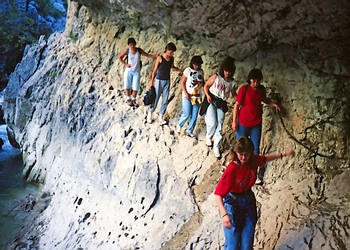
<point>191,82</point>
<point>247,111</point>
<point>217,89</point>
<point>132,70</point>
<point>161,81</point>
<point>234,197</point>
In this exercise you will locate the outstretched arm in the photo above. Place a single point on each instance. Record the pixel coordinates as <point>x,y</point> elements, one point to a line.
<point>225,218</point>
<point>177,69</point>
<point>147,54</point>
<point>272,157</point>
<point>272,104</point>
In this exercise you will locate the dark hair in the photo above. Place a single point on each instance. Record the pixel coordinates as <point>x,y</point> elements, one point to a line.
<point>255,74</point>
<point>241,145</point>
<point>170,46</point>
<point>131,40</point>
<point>228,64</point>
<point>196,60</point>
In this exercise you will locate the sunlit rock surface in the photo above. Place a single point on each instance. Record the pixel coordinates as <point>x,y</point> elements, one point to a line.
<point>115,182</point>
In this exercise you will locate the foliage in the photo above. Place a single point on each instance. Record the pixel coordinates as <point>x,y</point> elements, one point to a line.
<point>53,74</point>
<point>65,4</point>
<point>135,20</point>
<point>72,36</point>
<point>15,35</point>
<point>46,8</point>
<point>18,29</point>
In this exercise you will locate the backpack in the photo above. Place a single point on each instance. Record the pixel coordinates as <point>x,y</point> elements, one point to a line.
<point>127,53</point>
<point>149,96</point>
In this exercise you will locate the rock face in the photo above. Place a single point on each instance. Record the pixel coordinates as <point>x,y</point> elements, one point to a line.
<point>115,182</point>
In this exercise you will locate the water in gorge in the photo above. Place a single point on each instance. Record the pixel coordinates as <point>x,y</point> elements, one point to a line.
<point>13,190</point>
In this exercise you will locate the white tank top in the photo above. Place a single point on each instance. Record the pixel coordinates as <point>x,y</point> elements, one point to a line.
<point>221,88</point>
<point>134,60</point>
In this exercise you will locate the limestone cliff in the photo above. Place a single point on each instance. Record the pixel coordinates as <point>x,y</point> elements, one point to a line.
<point>110,181</point>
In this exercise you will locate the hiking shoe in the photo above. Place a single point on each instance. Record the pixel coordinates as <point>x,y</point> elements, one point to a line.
<point>189,134</point>
<point>217,152</point>
<point>130,102</point>
<point>162,120</point>
<point>149,117</point>
<point>208,142</point>
<point>134,104</point>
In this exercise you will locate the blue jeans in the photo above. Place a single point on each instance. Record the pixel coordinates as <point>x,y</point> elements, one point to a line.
<point>253,132</point>
<point>189,110</point>
<point>214,117</point>
<point>162,88</point>
<point>243,215</point>
<point>132,80</point>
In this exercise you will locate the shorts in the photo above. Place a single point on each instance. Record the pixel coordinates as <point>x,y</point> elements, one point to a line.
<point>132,80</point>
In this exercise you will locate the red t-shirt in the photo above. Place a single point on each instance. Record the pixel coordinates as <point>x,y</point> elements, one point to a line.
<point>250,114</point>
<point>239,178</point>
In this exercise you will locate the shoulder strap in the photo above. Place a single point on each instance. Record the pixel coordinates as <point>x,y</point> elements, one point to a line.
<point>245,92</point>
<point>127,55</point>
<point>261,87</point>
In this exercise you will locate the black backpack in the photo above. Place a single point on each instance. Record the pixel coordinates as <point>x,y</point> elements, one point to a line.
<point>127,53</point>
<point>149,96</point>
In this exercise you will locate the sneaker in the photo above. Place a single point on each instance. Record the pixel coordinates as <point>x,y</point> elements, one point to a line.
<point>189,134</point>
<point>134,104</point>
<point>178,129</point>
<point>149,117</point>
<point>130,102</point>
<point>162,120</point>
<point>217,152</point>
<point>208,142</point>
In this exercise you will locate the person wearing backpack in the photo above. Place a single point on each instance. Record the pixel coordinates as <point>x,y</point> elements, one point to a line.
<point>131,58</point>
<point>247,111</point>
<point>217,90</point>
<point>234,197</point>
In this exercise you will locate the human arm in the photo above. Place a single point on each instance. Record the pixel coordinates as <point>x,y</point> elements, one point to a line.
<point>225,218</point>
<point>142,52</point>
<point>158,60</point>
<point>121,58</point>
<point>233,91</point>
<point>183,86</point>
<point>271,157</point>
<point>234,116</point>
<point>272,104</point>
<point>177,69</point>
<point>207,85</point>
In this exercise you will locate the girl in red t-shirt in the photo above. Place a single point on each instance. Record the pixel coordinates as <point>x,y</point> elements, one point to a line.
<point>247,122</point>
<point>234,197</point>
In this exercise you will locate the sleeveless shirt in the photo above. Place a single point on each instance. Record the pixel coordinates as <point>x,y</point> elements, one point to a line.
<point>163,72</point>
<point>221,88</point>
<point>134,60</point>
